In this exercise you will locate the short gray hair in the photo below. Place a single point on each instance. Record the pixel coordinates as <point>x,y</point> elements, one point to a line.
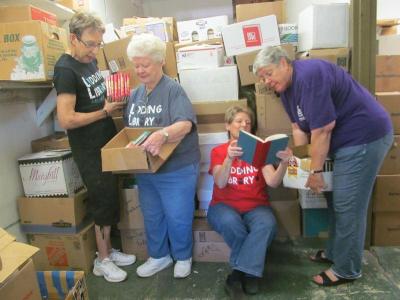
<point>232,111</point>
<point>146,44</point>
<point>268,56</point>
<point>83,20</point>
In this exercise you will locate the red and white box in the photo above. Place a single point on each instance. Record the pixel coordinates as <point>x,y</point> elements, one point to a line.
<point>250,35</point>
<point>200,56</point>
<point>50,173</point>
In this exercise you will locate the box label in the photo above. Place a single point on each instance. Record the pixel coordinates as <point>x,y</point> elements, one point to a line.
<point>252,35</point>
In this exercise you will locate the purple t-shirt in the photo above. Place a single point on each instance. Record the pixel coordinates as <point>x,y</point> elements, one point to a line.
<point>322,92</point>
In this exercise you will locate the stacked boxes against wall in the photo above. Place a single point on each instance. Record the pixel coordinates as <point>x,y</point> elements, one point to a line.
<point>386,195</point>
<point>53,209</point>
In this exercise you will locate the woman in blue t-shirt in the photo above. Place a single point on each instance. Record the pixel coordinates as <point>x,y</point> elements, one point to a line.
<point>342,120</point>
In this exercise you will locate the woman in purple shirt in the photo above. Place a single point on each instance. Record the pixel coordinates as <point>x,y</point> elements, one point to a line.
<point>342,120</point>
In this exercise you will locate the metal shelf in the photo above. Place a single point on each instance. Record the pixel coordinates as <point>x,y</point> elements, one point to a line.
<point>17,85</point>
<point>63,13</point>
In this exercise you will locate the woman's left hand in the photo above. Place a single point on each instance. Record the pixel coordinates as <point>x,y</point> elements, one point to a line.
<point>316,182</point>
<point>153,143</point>
<point>285,155</point>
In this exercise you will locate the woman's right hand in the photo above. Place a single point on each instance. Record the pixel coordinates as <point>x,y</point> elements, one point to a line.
<point>110,107</point>
<point>234,150</point>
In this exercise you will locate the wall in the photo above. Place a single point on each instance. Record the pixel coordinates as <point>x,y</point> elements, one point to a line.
<point>17,129</point>
<point>388,9</point>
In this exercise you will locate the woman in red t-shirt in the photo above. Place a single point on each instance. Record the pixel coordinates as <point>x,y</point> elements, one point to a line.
<point>239,209</point>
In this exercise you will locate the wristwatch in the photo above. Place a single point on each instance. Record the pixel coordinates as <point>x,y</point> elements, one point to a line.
<point>316,171</point>
<point>165,135</point>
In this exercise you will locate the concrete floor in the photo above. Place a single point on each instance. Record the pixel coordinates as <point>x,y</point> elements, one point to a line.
<point>287,276</point>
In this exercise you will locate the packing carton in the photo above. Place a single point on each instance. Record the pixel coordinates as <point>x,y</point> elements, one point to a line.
<point>287,214</point>
<point>49,173</point>
<point>131,215</point>
<point>315,222</point>
<point>53,215</point>
<point>65,251</point>
<point>246,12</point>
<point>338,56</point>
<point>386,228</point>
<point>17,273</point>
<point>170,24</point>
<point>391,164</point>
<point>30,49</point>
<point>18,13</point>
<point>387,73</point>
<point>201,29</point>
<point>75,4</point>
<point>250,35</point>
<point>389,44</point>
<point>134,242</point>
<point>391,102</point>
<point>117,158</point>
<point>324,26</point>
<point>386,194</point>
<point>200,56</point>
<point>70,285</point>
<point>158,28</point>
<point>55,141</point>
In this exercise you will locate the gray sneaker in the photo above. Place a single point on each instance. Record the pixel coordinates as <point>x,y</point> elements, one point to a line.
<point>108,270</point>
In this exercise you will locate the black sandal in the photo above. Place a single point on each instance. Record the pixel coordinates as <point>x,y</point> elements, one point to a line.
<point>326,281</point>
<point>319,258</point>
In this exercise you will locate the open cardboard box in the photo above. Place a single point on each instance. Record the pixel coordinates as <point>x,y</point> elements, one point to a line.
<point>116,158</point>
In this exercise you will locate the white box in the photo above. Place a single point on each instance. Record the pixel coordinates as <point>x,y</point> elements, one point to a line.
<point>212,84</point>
<point>288,34</point>
<point>324,26</point>
<point>158,28</point>
<point>207,141</point>
<point>250,35</point>
<point>200,56</point>
<point>389,45</point>
<point>49,173</point>
<point>309,199</point>
<point>204,196</point>
<point>299,169</point>
<point>201,29</point>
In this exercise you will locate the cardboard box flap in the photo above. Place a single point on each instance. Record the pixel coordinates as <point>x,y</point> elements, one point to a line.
<point>13,254</point>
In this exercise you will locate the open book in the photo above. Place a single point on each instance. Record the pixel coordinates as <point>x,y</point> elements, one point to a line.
<point>139,140</point>
<point>259,152</point>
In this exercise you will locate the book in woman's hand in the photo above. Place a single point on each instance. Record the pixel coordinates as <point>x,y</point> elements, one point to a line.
<point>260,152</point>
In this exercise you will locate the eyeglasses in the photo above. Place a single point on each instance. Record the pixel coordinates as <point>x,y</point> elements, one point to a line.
<point>90,44</point>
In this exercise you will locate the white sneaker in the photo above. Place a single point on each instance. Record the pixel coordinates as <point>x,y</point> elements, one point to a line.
<point>108,270</point>
<point>154,265</point>
<point>121,259</point>
<point>183,268</point>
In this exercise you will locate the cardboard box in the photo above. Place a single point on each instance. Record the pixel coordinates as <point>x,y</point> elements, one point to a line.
<point>309,199</point>
<point>18,13</point>
<point>49,173</point>
<point>245,64</point>
<point>271,115</point>
<point>211,115</point>
<point>17,273</point>
<point>288,33</point>
<point>287,214</point>
<point>246,12</point>
<point>101,60</point>
<point>209,246</point>
<point>391,102</point>
<point>131,215</point>
<point>200,56</point>
<point>386,194</point>
<point>299,169</point>
<point>207,141</point>
<point>338,56</point>
<point>210,84</point>
<point>65,251</point>
<point>386,229</point>
<point>324,26</point>
<point>251,35</point>
<point>116,158</point>
<point>134,242</point>
<point>282,193</point>
<point>391,164</point>
<point>387,73</point>
<point>57,141</point>
<point>389,44</point>
<point>53,215</point>
<point>159,28</point>
<point>76,4</point>
<point>72,285</point>
<point>315,222</point>
<point>201,29</point>
<point>30,49</point>
<point>170,21</point>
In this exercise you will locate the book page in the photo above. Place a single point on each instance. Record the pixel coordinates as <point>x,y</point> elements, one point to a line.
<point>276,137</point>
<point>253,136</point>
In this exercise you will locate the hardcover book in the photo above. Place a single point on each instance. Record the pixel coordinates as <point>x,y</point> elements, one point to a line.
<point>259,152</point>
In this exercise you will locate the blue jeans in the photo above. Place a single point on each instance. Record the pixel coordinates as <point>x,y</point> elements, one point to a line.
<point>248,235</point>
<point>354,172</point>
<point>167,204</point>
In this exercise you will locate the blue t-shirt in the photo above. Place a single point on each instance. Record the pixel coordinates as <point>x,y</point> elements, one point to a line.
<point>322,92</point>
<point>165,105</point>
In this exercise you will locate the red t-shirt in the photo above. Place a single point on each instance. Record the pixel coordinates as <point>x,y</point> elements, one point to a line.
<point>246,187</point>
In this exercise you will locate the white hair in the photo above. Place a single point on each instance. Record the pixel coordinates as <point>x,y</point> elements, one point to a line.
<point>268,56</point>
<point>146,44</point>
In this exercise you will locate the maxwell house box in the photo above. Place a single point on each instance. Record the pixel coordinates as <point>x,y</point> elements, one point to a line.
<point>29,50</point>
<point>49,173</point>
<point>250,35</point>
<point>201,29</point>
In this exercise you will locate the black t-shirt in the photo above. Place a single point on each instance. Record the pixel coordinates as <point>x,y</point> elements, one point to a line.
<point>86,82</point>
